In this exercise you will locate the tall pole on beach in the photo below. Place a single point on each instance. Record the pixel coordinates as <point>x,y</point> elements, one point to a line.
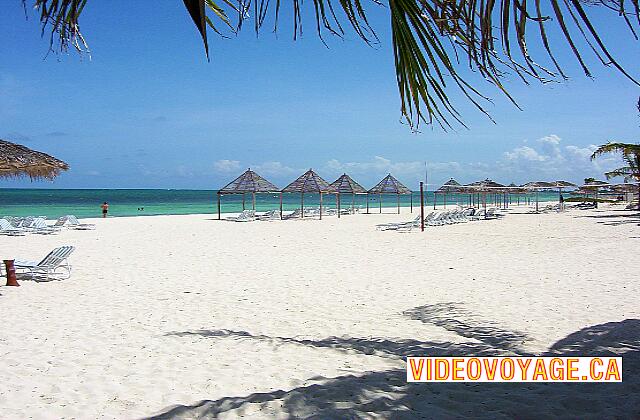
<point>320,205</point>
<point>218,194</point>
<point>421,207</point>
<point>281,206</point>
<point>338,200</point>
<point>398,202</point>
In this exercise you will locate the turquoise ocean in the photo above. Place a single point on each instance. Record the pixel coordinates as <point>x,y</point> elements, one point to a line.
<point>131,202</point>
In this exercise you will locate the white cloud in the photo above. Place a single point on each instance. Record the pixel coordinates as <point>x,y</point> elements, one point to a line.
<point>273,168</point>
<point>378,165</point>
<point>226,165</point>
<point>525,153</point>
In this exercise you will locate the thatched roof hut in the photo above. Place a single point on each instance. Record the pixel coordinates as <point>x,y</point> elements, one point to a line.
<point>389,185</point>
<point>19,161</point>
<point>346,185</point>
<point>486,185</point>
<point>249,182</point>
<point>308,182</point>
<point>537,185</point>
<point>449,187</point>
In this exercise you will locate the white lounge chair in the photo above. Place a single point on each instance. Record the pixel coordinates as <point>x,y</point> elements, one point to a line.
<point>74,223</point>
<point>244,216</point>
<point>54,265</point>
<point>269,215</point>
<point>393,226</point>
<point>6,228</point>
<point>293,215</point>
<point>41,227</point>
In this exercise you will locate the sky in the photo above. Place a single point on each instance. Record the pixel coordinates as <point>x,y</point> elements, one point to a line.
<point>146,109</point>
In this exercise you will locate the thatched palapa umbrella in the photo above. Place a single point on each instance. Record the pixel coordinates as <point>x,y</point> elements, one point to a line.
<point>389,185</point>
<point>17,161</point>
<point>346,185</point>
<point>560,185</point>
<point>248,182</point>
<point>308,182</point>
<point>485,187</point>
<point>594,185</point>
<point>451,186</point>
<point>537,186</point>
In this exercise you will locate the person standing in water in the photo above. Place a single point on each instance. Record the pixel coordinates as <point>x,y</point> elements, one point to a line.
<point>105,209</point>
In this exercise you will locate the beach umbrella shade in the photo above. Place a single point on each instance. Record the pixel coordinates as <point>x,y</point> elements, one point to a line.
<point>308,182</point>
<point>595,186</point>
<point>18,161</point>
<point>537,186</point>
<point>451,186</point>
<point>484,187</point>
<point>560,185</point>
<point>248,182</point>
<point>389,185</point>
<point>346,185</point>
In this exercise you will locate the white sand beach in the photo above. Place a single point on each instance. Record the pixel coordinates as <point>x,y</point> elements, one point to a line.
<point>190,317</point>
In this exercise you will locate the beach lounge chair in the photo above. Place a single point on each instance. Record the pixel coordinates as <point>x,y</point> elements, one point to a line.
<point>269,215</point>
<point>74,223</point>
<point>54,265</point>
<point>393,226</point>
<point>293,215</point>
<point>6,228</point>
<point>245,216</point>
<point>41,227</point>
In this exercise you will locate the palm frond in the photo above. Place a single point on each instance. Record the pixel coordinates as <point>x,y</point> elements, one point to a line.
<point>616,147</point>
<point>432,40</point>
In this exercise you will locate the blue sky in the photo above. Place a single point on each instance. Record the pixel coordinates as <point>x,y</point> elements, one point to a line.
<point>148,111</point>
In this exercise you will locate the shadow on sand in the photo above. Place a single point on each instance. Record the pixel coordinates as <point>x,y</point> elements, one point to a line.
<point>386,394</point>
<point>623,218</point>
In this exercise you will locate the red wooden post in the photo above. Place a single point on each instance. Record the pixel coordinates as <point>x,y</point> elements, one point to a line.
<point>11,273</point>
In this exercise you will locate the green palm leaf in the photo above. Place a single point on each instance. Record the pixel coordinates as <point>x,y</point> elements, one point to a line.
<point>432,40</point>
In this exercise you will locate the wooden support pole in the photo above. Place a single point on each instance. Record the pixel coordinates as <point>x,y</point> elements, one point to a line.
<point>411,202</point>
<point>301,205</point>
<point>320,205</point>
<point>218,194</point>
<point>398,202</point>
<point>253,201</point>
<point>281,217</point>
<point>338,200</point>
<point>243,201</point>
<point>367,203</point>
<point>421,206</point>
<point>380,202</point>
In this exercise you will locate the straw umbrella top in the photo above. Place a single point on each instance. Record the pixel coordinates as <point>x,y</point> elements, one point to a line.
<point>486,185</point>
<point>595,184</point>
<point>248,182</point>
<point>18,161</point>
<point>563,184</point>
<point>309,182</point>
<point>538,185</point>
<point>346,185</point>
<point>450,186</point>
<point>389,185</point>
